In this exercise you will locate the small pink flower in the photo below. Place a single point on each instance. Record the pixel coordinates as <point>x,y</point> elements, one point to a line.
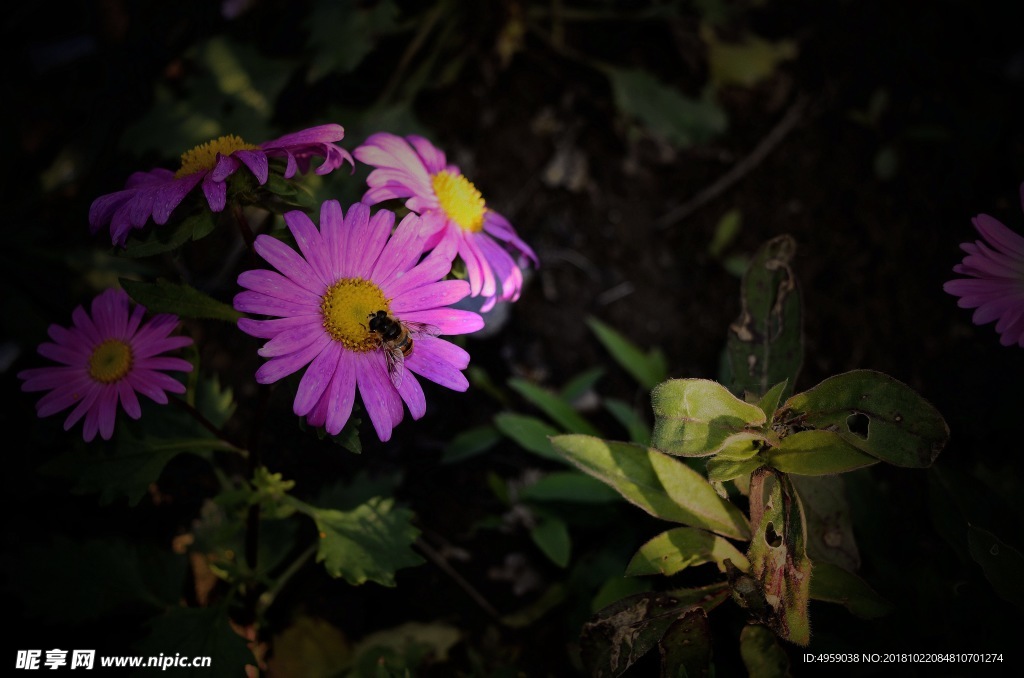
<point>157,192</point>
<point>107,358</point>
<point>322,301</point>
<point>453,212</point>
<point>996,286</point>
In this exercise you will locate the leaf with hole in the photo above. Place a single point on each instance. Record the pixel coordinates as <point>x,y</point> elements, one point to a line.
<point>816,453</point>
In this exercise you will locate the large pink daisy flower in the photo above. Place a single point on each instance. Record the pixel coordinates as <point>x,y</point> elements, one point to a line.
<point>107,358</point>
<point>996,285</point>
<point>452,209</point>
<point>328,302</point>
<point>156,193</point>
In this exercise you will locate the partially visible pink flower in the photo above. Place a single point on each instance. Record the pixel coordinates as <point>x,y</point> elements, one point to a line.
<point>157,192</point>
<point>996,285</point>
<point>106,358</point>
<point>453,211</point>
<point>322,301</point>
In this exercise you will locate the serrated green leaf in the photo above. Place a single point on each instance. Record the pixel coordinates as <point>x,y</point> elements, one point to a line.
<point>686,647</point>
<point>197,632</point>
<point>79,581</point>
<point>664,110</point>
<point>638,429</point>
<point>620,634</point>
<point>470,443</point>
<point>762,655</point>
<point>642,367</point>
<point>570,486</point>
<point>876,414</point>
<point>551,535</point>
<point>659,484</point>
<point>550,404</point>
<point>816,453</point>
<point>832,584</point>
<point>530,433</point>
<point>699,417</point>
<point>765,343</point>
<point>164,296</point>
<point>1003,565</point>
<point>778,559</point>
<point>682,547</point>
<point>368,543</point>
<point>156,238</point>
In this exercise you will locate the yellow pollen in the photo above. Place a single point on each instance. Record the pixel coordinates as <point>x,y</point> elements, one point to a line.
<point>110,361</point>
<point>460,200</point>
<point>346,307</point>
<point>204,156</point>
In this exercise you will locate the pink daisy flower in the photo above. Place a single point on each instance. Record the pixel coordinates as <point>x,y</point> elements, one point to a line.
<point>361,310</point>
<point>107,358</point>
<point>156,193</point>
<point>996,286</point>
<point>453,210</point>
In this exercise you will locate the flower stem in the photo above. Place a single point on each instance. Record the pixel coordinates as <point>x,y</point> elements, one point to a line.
<point>208,425</point>
<point>267,599</point>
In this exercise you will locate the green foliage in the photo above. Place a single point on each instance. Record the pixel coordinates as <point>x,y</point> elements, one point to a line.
<point>682,547</point>
<point>570,486</point>
<point>158,239</point>
<point>657,483</point>
<point>1003,565</point>
<point>343,34</point>
<point>816,453</point>
<point>470,443</point>
<point>648,369</point>
<point>833,584</point>
<point>762,655</point>
<point>197,632</point>
<point>184,300</point>
<point>698,417</point>
<point>829,524</point>
<point>530,433</point>
<point>560,411</point>
<point>638,429</point>
<point>876,414</point>
<point>551,535</point>
<point>686,646</point>
<point>765,343</point>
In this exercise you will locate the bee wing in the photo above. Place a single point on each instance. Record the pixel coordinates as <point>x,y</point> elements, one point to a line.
<point>395,361</point>
<point>422,328</point>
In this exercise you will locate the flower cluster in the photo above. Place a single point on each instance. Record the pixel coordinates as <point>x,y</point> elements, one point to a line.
<point>360,306</point>
<point>995,288</point>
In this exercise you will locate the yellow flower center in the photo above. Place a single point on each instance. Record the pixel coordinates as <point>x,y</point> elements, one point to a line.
<point>346,308</point>
<point>204,156</point>
<point>110,361</point>
<point>460,200</point>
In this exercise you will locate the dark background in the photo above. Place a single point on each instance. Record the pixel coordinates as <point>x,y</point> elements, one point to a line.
<point>878,204</point>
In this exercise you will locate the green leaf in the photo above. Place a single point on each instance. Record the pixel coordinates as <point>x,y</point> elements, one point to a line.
<point>762,655</point>
<point>682,547</point>
<point>744,63</point>
<point>342,34</point>
<point>581,383</point>
<point>721,470</point>
<point>571,486</point>
<point>664,487</point>
<point>769,402</point>
<point>78,581</point>
<point>638,429</point>
<point>699,417</point>
<point>197,632</point>
<point>411,644</point>
<point>765,343</point>
<point>530,433</point>
<point>553,406</point>
<point>876,414</point>
<point>620,634</point>
<point>778,559</point>
<point>816,453</point>
<point>686,647</point>
<point>663,110</point>
<point>470,443</point>
<point>646,369</point>
<point>164,296</point>
<point>214,401</point>
<point>368,543</point>
<point>551,535</point>
<point>725,232</point>
<point>136,456</point>
<point>833,584</point>
<point>1003,565</point>
<point>158,238</point>
<point>829,526</point>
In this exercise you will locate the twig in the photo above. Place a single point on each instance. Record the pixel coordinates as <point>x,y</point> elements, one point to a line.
<point>740,169</point>
<point>438,560</point>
